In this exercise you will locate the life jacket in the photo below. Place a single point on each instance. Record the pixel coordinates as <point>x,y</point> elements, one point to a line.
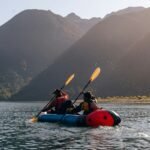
<point>85,106</point>
<point>59,100</point>
<point>88,107</point>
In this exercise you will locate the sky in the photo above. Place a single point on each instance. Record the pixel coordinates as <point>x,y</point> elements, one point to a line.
<point>83,8</point>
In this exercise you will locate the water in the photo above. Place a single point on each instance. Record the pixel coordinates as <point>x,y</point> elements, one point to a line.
<point>17,133</point>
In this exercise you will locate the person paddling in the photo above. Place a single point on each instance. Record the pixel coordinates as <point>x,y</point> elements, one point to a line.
<point>88,105</point>
<point>66,107</point>
<point>60,97</point>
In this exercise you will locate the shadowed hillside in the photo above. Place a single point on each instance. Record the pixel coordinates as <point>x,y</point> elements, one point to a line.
<point>131,76</point>
<point>30,42</point>
<point>104,45</point>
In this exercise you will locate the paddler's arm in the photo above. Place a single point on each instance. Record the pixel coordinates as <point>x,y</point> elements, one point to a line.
<point>77,109</point>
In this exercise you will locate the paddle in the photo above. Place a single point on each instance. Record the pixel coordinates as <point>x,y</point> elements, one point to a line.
<point>35,118</point>
<point>92,78</point>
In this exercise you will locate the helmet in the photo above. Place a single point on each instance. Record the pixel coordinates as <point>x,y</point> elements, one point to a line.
<point>57,92</point>
<point>88,96</point>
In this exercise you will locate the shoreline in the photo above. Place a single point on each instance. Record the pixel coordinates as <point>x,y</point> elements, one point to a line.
<point>125,100</point>
<point>111,100</point>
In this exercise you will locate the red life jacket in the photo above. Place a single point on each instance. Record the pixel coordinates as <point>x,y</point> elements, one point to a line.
<point>59,100</point>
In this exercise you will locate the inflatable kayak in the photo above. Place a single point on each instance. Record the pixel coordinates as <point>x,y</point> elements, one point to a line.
<point>100,117</point>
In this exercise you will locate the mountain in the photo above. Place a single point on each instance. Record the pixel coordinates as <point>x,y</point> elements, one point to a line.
<point>83,24</point>
<point>30,42</point>
<point>131,76</point>
<point>105,45</point>
<point>128,10</point>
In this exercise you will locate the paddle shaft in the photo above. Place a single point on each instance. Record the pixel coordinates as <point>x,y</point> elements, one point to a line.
<point>94,75</point>
<point>51,100</point>
<point>82,91</point>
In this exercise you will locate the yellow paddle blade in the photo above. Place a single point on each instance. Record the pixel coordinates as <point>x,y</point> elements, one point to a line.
<point>95,74</point>
<point>34,119</point>
<point>69,79</point>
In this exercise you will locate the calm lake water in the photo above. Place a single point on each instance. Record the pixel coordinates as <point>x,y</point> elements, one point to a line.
<point>17,133</point>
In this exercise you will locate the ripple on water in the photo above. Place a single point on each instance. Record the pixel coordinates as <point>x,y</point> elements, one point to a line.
<point>18,133</point>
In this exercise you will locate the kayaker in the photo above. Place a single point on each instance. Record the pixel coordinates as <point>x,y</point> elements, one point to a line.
<point>66,107</point>
<point>88,105</point>
<point>60,97</point>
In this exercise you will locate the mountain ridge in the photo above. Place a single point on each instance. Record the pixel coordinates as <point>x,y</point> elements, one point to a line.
<point>30,42</point>
<point>104,45</point>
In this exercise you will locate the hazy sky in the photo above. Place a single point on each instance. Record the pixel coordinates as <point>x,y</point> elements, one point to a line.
<point>83,8</point>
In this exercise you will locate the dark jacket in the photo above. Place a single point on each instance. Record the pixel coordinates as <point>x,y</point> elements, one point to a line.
<point>66,107</point>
